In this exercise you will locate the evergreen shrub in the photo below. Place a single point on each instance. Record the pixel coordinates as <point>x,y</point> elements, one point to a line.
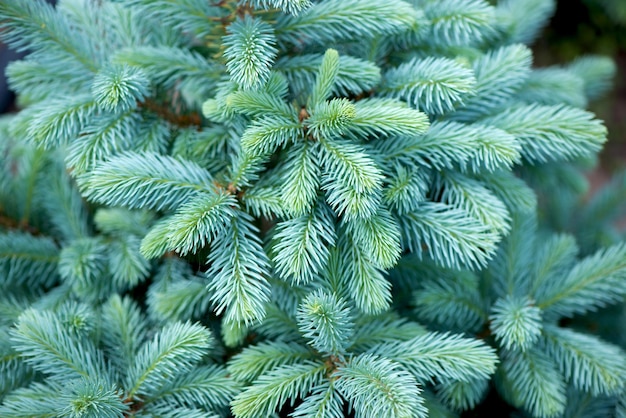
<point>301,208</point>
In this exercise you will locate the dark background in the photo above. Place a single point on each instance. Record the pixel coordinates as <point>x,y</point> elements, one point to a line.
<point>582,27</point>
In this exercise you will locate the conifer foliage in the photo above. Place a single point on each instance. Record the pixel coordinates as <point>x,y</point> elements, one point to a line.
<point>306,208</point>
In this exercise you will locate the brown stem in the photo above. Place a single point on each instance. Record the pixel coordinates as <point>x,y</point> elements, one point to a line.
<point>243,10</point>
<point>134,406</point>
<point>183,120</point>
<point>303,115</point>
<point>485,332</point>
<point>10,223</point>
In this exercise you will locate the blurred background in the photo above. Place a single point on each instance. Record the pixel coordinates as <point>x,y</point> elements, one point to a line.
<point>593,27</point>
<point>579,27</point>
